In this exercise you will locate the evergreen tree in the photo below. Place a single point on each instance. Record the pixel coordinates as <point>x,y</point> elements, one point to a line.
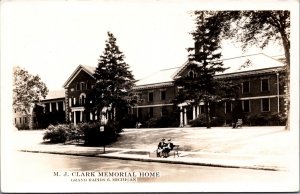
<point>204,61</point>
<point>259,28</point>
<point>113,82</point>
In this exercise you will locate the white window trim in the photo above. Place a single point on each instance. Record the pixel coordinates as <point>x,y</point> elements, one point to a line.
<point>81,85</point>
<point>261,105</point>
<point>161,95</point>
<point>261,88</point>
<point>243,87</point>
<point>243,106</point>
<point>80,98</point>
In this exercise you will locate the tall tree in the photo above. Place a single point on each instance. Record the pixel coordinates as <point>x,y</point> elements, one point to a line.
<point>27,91</point>
<point>257,28</point>
<point>204,62</point>
<point>114,81</point>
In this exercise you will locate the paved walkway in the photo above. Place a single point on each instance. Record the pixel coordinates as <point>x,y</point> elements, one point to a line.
<point>254,147</point>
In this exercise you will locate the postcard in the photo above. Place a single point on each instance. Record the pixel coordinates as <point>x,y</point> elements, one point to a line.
<point>151,96</point>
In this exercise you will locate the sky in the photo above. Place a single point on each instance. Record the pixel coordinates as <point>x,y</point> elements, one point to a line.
<point>51,38</point>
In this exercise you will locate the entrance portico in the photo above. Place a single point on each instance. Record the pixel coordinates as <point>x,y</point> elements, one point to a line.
<point>184,112</point>
<point>77,114</point>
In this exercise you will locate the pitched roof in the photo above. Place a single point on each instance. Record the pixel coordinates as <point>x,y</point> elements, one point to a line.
<point>249,63</point>
<point>54,94</point>
<point>234,66</point>
<point>162,76</point>
<point>88,69</point>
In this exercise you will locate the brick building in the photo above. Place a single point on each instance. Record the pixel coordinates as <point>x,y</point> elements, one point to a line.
<point>261,95</point>
<point>50,110</point>
<point>261,91</point>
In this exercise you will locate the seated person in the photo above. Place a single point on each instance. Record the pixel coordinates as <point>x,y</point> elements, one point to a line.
<point>160,147</point>
<point>169,146</point>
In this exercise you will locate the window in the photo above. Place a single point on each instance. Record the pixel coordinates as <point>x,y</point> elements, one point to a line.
<point>77,86</point>
<point>265,105</point>
<point>82,85</point>
<point>15,120</point>
<point>191,74</point>
<point>70,102</point>
<point>74,101</point>
<point>265,85</point>
<point>88,85</point>
<point>246,105</point>
<point>150,96</point>
<point>82,98</point>
<point>25,120</point>
<point>246,87</point>
<point>72,89</point>
<point>151,112</point>
<point>228,107</point>
<point>163,95</point>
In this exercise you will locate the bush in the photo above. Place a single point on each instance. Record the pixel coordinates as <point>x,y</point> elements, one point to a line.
<point>267,119</point>
<point>164,121</point>
<point>56,134</point>
<point>89,132</point>
<point>200,121</point>
<point>217,121</point>
<point>92,135</point>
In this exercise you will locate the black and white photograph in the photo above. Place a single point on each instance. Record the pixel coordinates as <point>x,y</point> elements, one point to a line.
<point>149,96</point>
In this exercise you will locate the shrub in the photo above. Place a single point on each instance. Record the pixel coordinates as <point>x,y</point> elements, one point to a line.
<point>200,121</point>
<point>164,121</point>
<point>217,121</point>
<point>266,119</point>
<point>94,137</point>
<point>56,134</point>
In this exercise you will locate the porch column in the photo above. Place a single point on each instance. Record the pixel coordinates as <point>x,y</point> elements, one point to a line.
<point>91,116</point>
<point>198,110</point>
<point>56,106</point>
<point>181,117</point>
<point>185,117</point>
<point>64,108</point>
<point>50,107</point>
<point>74,115</point>
<point>194,112</point>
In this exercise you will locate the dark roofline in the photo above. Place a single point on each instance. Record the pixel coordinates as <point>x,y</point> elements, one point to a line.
<point>75,72</point>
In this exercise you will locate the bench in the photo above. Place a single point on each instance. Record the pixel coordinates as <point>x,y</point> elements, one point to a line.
<point>239,123</point>
<point>174,152</point>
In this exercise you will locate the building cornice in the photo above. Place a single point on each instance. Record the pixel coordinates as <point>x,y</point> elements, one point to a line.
<point>152,86</point>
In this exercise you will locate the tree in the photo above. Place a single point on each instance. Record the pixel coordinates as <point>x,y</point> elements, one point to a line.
<point>257,28</point>
<point>113,82</point>
<point>27,91</point>
<point>204,62</point>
